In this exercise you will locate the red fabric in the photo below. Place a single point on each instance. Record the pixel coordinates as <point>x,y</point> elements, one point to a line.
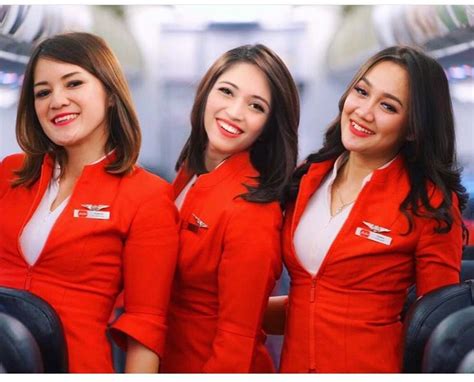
<point>346,319</point>
<point>86,262</point>
<point>224,276</point>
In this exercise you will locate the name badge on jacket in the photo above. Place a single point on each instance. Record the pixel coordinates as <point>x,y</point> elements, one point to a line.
<point>373,233</point>
<point>92,211</point>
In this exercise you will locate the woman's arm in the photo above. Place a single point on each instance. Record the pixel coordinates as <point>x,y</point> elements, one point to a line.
<point>275,315</point>
<point>149,259</point>
<point>140,359</point>
<point>438,255</point>
<point>249,266</point>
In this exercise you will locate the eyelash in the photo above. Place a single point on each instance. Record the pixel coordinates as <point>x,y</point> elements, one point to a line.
<point>360,90</point>
<point>42,93</point>
<point>258,107</point>
<point>385,105</point>
<point>45,92</point>
<point>225,91</point>
<point>74,83</point>
<point>228,92</point>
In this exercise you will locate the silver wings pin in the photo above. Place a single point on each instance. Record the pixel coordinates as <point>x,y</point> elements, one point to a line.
<point>199,222</point>
<point>95,207</point>
<point>375,228</point>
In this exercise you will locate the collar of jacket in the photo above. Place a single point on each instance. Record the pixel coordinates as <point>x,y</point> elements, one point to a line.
<point>95,170</point>
<point>236,164</point>
<point>49,161</point>
<point>316,173</point>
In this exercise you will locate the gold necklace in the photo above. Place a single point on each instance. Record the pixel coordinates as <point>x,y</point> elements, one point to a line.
<point>343,205</point>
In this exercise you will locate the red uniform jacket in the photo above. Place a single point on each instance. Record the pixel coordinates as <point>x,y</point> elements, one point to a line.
<point>346,318</point>
<point>226,271</point>
<point>86,262</point>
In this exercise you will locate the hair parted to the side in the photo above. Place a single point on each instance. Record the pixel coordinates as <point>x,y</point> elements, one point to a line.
<point>429,153</point>
<point>274,154</point>
<point>91,53</point>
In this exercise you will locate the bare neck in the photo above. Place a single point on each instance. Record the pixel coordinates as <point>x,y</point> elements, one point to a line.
<point>212,159</point>
<point>358,167</point>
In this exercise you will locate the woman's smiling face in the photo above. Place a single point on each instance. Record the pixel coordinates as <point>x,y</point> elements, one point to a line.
<point>237,109</point>
<point>71,104</point>
<point>375,113</point>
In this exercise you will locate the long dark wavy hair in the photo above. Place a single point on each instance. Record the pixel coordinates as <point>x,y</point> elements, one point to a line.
<point>91,53</point>
<point>275,152</point>
<point>429,154</point>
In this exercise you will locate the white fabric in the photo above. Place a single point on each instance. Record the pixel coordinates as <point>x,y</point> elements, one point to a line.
<point>36,232</point>
<point>317,229</point>
<point>182,195</point>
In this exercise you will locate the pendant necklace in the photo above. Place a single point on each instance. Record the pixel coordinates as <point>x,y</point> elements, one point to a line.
<point>342,206</point>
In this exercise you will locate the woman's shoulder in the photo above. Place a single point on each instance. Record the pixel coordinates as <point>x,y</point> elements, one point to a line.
<point>9,165</point>
<point>142,182</point>
<point>13,162</point>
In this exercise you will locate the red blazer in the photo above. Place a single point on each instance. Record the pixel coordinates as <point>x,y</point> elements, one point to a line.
<point>226,271</point>
<point>347,318</point>
<point>86,262</point>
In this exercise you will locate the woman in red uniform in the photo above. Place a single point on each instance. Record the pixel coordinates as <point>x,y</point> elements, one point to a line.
<point>374,211</point>
<point>78,219</point>
<point>232,170</point>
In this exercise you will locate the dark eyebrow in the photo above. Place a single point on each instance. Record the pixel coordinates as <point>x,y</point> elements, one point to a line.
<point>63,78</point>
<point>388,95</point>
<point>254,96</point>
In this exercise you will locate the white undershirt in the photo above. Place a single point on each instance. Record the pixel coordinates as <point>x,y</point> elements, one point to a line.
<point>317,229</point>
<point>37,230</point>
<point>182,195</point>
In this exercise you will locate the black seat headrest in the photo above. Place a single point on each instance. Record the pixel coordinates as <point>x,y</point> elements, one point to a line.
<point>467,364</point>
<point>19,352</point>
<point>468,252</point>
<point>42,322</point>
<point>449,343</point>
<point>426,313</point>
<point>467,270</point>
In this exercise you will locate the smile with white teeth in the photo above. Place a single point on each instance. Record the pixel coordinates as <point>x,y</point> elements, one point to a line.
<point>229,128</point>
<point>360,128</point>
<point>65,118</point>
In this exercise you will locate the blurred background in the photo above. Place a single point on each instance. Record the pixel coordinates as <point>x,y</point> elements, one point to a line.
<point>165,50</point>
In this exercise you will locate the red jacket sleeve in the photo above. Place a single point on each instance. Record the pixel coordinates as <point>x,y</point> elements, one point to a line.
<point>3,179</point>
<point>249,267</point>
<point>438,255</point>
<point>7,167</point>
<point>149,260</point>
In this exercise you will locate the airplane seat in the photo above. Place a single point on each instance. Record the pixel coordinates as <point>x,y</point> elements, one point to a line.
<point>426,313</point>
<point>467,364</point>
<point>42,322</point>
<point>450,342</point>
<point>468,252</point>
<point>19,352</point>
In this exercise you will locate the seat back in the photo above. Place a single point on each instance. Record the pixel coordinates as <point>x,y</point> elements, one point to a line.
<point>449,343</point>
<point>19,352</point>
<point>42,322</point>
<point>467,270</point>
<point>468,252</point>
<point>467,364</point>
<point>426,313</point>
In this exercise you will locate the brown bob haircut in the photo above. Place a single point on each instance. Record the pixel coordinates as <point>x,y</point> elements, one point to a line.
<point>275,152</point>
<point>91,53</point>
